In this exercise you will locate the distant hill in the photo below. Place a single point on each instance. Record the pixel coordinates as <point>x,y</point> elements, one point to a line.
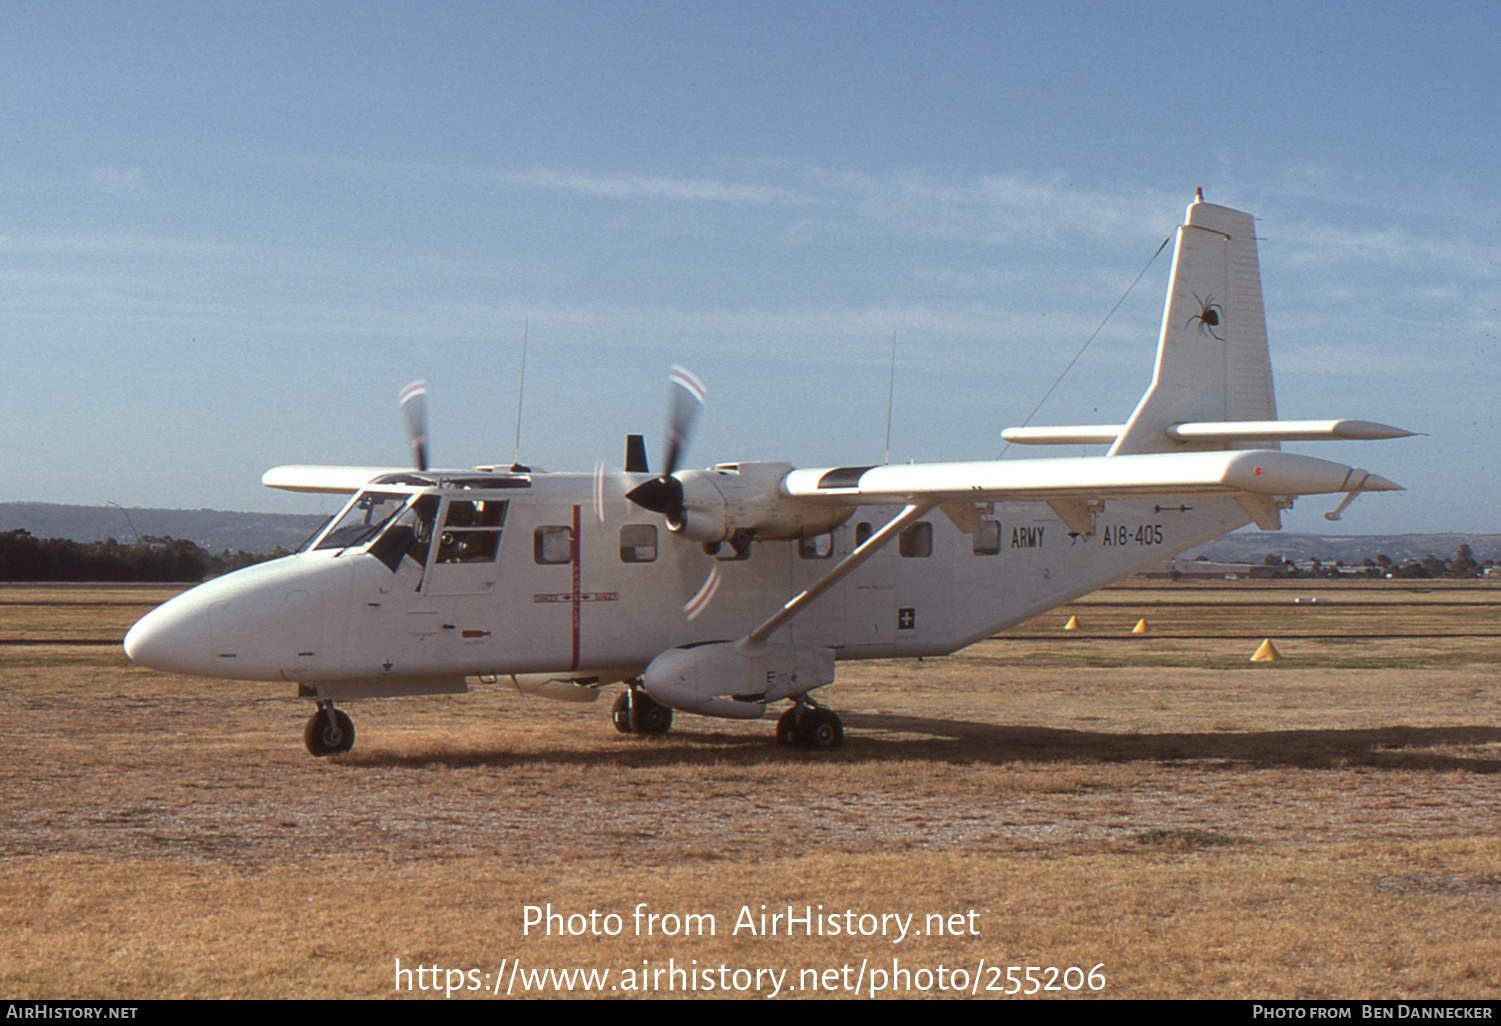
<point>1251,547</point>
<point>214,530</point>
<point>218,530</point>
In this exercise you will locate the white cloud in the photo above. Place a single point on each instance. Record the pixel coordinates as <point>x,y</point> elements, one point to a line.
<point>118,182</point>
<point>630,187</point>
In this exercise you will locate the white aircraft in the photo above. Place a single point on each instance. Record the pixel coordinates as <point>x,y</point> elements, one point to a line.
<point>725,591</point>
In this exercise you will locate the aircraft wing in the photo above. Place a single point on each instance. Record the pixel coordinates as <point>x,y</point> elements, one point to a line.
<point>1259,472</point>
<point>325,480</point>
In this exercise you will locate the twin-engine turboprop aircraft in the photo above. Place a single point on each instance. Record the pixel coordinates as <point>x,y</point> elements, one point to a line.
<point>725,591</point>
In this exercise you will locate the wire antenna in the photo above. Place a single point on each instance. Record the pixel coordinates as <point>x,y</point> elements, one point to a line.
<point>520,393</point>
<point>1088,340</point>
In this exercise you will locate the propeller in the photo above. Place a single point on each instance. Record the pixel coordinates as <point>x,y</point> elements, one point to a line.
<point>414,413</point>
<point>664,494</point>
<point>605,489</point>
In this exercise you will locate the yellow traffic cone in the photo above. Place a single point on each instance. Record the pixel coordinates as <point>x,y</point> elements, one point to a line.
<point>1266,652</point>
<point>1141,626</point>
<point>1072,625</point>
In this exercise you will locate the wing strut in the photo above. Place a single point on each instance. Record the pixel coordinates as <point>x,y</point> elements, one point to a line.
<point>864,551</point>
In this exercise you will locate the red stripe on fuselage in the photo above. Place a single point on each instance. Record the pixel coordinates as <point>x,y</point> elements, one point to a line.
<point>578,590</point>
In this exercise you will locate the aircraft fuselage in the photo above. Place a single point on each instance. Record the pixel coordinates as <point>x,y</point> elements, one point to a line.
<point>445,583</point>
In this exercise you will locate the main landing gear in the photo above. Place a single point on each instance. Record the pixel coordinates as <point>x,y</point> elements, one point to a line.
<point>805,725</point>
<point>636,712</point>
<point>810,726</point>
<point>328,731</point>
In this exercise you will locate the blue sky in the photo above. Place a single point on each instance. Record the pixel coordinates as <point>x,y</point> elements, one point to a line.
<point>232,232</point>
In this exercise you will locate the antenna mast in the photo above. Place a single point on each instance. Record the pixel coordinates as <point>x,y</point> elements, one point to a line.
<point>890,394</point>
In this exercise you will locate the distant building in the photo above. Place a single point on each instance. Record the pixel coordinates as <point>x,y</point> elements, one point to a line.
<point>1203,569</point>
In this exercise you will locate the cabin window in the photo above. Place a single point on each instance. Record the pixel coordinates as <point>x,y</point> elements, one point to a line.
<point>987,540</point>
<point>820,546</point>
<point>916,541</point>
<point>638,543</point>
<point>471,531</point>
<point>552,545</point>
<point>863,531</point>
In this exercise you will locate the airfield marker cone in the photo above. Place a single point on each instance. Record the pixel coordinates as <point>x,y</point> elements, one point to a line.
<point>1072,625</point>
<point>1266,652</point>
<point>1141,626</point>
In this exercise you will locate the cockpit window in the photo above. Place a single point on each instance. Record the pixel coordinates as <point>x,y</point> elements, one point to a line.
<point>409,535</point>
<point>362,519</point>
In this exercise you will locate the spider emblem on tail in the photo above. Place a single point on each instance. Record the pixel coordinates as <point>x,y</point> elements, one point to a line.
<point>1209,317</point>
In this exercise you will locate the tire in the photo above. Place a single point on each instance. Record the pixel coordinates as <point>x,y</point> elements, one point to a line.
<point>620,713</point>
<point>823,730</point>
<point>649,717</point>
<point>325,735</point>
<point>788,732</point>
<point>816,729</point>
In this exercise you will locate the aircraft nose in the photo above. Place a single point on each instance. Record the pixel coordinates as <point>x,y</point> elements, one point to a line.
<point>173,637</point>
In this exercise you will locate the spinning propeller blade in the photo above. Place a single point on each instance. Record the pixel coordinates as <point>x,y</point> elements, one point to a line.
<point>686,400</point>
<point>664,494</point>
<point>705,594</point>
<point>414,414</point>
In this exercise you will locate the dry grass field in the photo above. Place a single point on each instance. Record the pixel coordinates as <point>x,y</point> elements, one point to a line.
<point>1153,809</point>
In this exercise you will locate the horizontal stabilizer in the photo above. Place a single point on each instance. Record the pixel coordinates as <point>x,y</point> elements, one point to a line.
<point>1076,434</point>
<point>1285,431</point>
<point>1220,432</point>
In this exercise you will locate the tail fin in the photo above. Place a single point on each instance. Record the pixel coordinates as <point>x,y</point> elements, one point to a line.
<point>1212,362</point>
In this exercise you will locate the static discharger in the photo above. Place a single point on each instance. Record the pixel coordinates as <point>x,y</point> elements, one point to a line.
<point>1266,652</point>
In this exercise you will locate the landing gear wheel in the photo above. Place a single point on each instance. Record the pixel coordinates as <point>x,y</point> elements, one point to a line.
<point>620,713</point>
<point>824,730</point>
<point>328,731</point>
<point>788,727</point>
<point>807,726</point>
<point>648,716</point>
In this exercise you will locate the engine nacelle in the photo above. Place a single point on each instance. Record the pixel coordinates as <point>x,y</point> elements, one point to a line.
<point>746,499</point>
<point>723,679</point>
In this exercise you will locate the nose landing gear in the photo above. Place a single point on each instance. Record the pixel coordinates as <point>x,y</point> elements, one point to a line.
<point>328,731</point>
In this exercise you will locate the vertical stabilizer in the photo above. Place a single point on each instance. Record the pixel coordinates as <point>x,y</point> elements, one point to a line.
<point>1212,362</point>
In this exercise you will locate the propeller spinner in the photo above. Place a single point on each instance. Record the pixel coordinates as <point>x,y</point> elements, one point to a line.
<point>664,494</point>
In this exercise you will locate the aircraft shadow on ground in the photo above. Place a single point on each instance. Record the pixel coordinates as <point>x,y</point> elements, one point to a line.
<point>896,737</point>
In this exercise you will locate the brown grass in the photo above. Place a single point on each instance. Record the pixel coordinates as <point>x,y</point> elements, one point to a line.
<point>1299,830</point>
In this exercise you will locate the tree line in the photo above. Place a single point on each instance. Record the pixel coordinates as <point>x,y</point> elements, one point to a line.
<point>1461,566</point>
<point>24,557</point>
<point>160,559</point>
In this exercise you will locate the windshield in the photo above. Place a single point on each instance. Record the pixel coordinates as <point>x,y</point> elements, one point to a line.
<point>365,515</point>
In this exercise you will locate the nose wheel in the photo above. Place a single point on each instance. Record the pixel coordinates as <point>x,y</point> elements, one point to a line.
<point>328,731</point>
